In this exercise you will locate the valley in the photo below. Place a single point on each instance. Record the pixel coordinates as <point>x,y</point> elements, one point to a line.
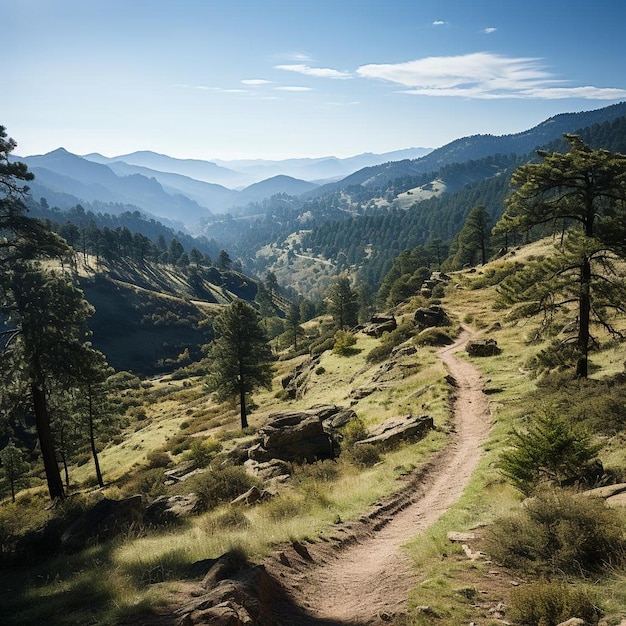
<point>297,489</point>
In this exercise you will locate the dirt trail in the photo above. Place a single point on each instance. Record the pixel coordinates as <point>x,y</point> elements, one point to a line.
<point>367,579</point>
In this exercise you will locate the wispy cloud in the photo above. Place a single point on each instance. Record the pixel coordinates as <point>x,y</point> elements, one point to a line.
<point>293,88</point>
<point>482,75</point>
<point>439,23</point>
<point>317,72</point>
<point>255,81</point>
<point>489,30</point>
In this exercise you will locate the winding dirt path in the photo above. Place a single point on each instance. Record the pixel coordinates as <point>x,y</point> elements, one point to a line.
<point>364,577</point>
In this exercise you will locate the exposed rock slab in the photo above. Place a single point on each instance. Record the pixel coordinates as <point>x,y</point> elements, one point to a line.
<point>396,429</point>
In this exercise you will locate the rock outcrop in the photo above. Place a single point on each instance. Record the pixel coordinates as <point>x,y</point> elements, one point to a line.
<point>168,509</point>
<point>484,347</point>
<point>396,429</point>
<point>378,325</point>
<point>103,520</point>
<point>296,436</point>
<point>428,317</point>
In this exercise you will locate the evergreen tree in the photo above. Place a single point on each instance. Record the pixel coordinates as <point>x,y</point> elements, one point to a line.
<point>14,466</point>
<point>47,319</point>
<point>343,303</point>
<point>583,188</point>
<point>239,358</point>
<point>472,242</point>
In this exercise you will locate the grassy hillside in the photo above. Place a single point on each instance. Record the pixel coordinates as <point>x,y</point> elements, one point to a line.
<point>171,421</point>
<point>152,318</point>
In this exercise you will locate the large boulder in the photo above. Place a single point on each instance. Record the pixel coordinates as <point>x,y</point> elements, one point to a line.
<point>168,509</point>
<point>396,429</point>
<point>102,521</point>
<point>427,317</point>
<point>484,347</point>
<point>237,594</point>
<point>379,324</point>
<point>294,436</point>
<point>297,381</point>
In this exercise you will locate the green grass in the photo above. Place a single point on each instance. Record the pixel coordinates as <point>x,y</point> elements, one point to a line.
<point>143,569</point>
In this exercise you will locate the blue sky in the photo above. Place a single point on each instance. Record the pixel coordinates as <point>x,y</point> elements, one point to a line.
<point>228,79</point>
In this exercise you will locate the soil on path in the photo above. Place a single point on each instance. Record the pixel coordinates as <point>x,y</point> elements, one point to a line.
<point>365,576</point>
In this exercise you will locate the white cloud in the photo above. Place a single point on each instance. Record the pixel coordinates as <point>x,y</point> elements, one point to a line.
<point>439,23</point>
<point>294,88</point>
<point>317,72</point>
<point>482,75</point>
<point>255,81</point>
<point>489,30</point>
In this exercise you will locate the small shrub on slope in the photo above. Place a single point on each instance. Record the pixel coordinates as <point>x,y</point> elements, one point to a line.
<point>559,533</point>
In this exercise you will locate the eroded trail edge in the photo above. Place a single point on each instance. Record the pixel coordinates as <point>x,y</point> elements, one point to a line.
<point>362,575</point>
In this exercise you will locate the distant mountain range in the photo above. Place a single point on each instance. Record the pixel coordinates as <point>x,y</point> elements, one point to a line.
<point>187,192</point>
<point>242,173</point>
<point>181,191</point>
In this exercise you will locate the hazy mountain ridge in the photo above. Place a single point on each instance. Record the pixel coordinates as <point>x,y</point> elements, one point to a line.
<point>476,147</point>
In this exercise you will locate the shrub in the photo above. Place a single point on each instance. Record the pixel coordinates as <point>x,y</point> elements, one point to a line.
<point>344,341</point>
<point>233,518</point>
<point>221,485</point>
<point>321,345</point>
<point>158,458</point>
<point>366,455</point>
<point>320,471</point>
<point>379,353</point>
<point>551,603</point>
<point>201,451</point>
<point>551,450</point>
<point>284,507</point>
<point>355,430</point>
<point>559,533</point>
<point>435,336</point>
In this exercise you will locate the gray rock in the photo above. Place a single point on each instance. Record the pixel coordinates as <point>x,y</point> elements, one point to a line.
<point>396,429</point>
<point>167,509</point>
<point>102,521</point>
<point>427,317</point>
<point>267,470</point>
<point>254,495</point>
<point>484,347</point>
<point>379,324</point>
<point>294,436</point>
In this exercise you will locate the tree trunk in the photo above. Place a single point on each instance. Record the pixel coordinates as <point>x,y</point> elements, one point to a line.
<point>92,441</point>
<point>584,315</point>
<point>242,406</point>
<point>42,420</point>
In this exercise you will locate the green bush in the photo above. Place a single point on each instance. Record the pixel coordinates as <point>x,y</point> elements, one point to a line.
<point>355,430</point>
<point>366,455</point>
<point>233,518</point>
<point>202,451</point>
<point>158,458</point>
<point>559,533</point>
<point>435,336</point>
<point>551,450</point>
<point>320,471</point>
<point>379,353</point>
<point>284,507</point>
<point>344,341</point>
<point>550,603</point>
<point>220,485</point>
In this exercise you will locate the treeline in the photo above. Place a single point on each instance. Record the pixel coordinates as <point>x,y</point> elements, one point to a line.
<point>370,243</point>
<point>128,235</point>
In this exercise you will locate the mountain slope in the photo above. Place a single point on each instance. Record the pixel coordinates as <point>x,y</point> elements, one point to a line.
<point>477,147</point>
<point>64,172</point>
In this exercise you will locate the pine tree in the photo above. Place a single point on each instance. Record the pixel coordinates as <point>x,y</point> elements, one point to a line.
<point>14,466</point>
<point>583,189</point>
<point>343,303</point>
<point>239,359</point>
